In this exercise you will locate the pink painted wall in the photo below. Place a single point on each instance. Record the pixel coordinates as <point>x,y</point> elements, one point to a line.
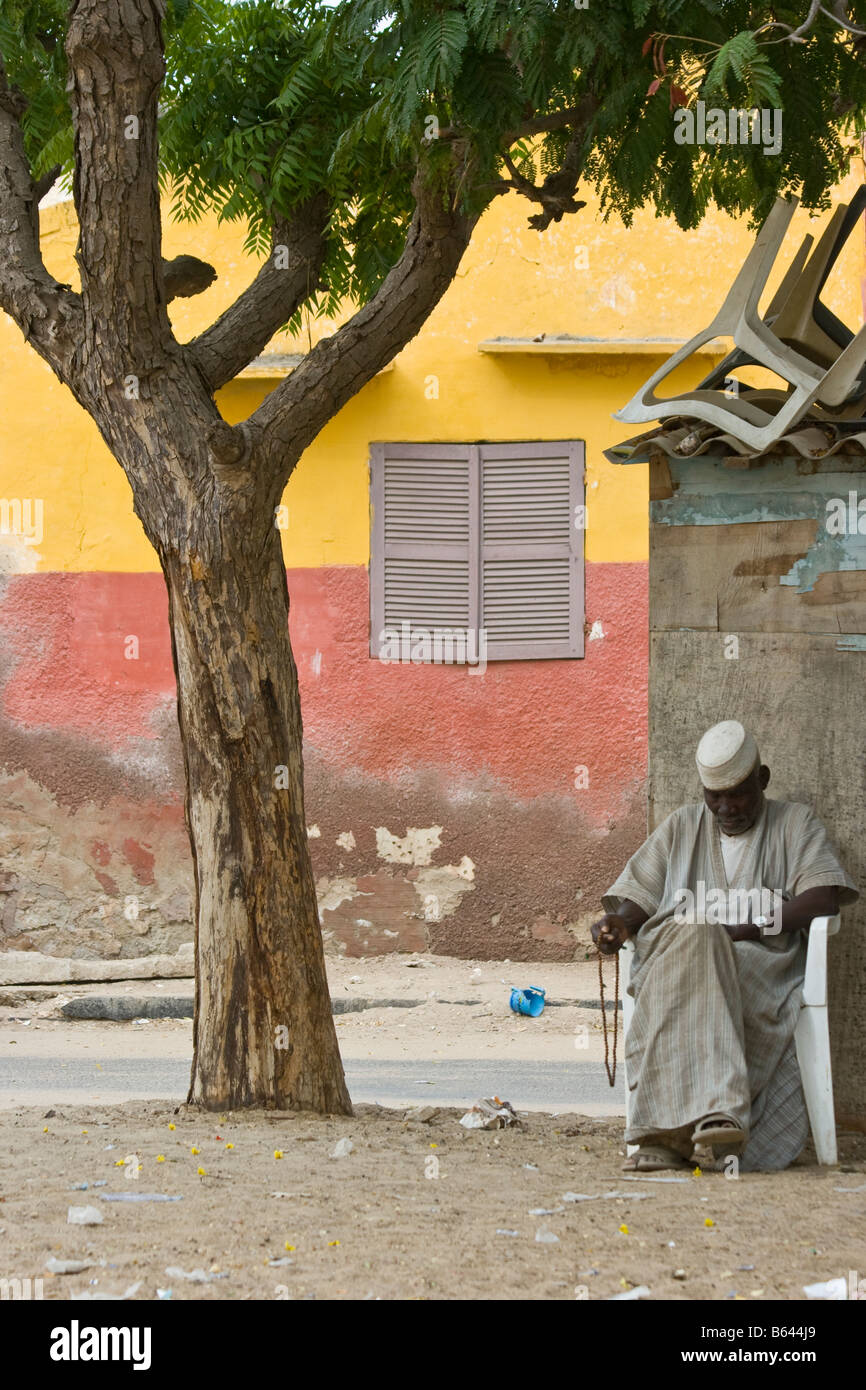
<point>90,736</point>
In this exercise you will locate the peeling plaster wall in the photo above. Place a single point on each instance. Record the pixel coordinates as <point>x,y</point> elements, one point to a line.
<point>442,810</point>
<point>758,614</point>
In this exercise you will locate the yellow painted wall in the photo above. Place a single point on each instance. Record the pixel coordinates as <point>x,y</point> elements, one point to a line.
<point>648,281</point>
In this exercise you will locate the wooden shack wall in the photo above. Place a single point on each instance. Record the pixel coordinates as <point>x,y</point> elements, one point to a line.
<point>758,613</point>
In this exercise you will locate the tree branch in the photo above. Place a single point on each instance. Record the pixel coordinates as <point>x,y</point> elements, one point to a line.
<point>836,13</point>
<point>47,182</point>
<point>47,313</point>
<point>186,276</point>
<point>287,278</point>
<point>556,194</point>
<point>579,115</point>
<point>115,70</point>
<point>338,367</point>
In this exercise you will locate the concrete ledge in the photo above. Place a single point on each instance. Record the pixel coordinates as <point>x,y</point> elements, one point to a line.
<point>122,1008</point>
<point>34,968</point>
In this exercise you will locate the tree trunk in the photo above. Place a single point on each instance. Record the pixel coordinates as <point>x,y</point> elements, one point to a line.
<point>205,492</point>
<point>263,1032</point>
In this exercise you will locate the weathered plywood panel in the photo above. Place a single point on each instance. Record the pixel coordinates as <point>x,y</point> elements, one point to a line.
<point>660,480</point>
<point>727,578</point>
<point>804,700</point>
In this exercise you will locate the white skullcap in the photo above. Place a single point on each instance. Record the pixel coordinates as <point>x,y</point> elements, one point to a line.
<point>726,755</point>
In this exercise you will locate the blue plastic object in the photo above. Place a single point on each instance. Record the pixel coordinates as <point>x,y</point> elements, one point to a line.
<point>528,1001</point>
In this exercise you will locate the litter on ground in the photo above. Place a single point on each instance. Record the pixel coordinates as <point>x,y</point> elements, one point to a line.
<point>490,1113</point>
<point>84,1216</point>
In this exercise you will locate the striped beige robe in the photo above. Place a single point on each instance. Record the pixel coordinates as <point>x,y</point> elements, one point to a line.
<point>713,1024</point>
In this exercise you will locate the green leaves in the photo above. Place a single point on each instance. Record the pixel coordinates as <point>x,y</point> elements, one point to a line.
<point>755,82</point>
<point>440,50</point>
<point>268,102</point>
<point>31,41</point>
<point>733,55</point>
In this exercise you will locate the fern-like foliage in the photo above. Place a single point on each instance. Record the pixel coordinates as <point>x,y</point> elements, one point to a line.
<point>31,41</point>
<point>266,103</point>
<point>742,73</point>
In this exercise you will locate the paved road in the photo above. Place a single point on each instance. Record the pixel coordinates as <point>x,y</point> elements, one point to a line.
<point>529,1085</point>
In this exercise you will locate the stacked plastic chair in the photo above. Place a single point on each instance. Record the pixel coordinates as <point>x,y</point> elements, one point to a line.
<point>799,338</point>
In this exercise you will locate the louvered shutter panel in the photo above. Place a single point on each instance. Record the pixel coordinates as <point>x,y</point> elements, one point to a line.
<point>424,554</point>
<point>531,561</point>
<point>481,536</point>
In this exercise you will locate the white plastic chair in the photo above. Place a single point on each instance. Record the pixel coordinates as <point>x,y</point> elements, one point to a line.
<point>793,322</point>
<point>812,1037</point>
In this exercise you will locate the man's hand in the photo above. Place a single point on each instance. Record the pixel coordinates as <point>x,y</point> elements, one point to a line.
<point>610,933</point>
<point>745,932</point>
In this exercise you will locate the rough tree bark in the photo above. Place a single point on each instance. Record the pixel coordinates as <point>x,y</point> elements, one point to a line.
<point>263,1031</point>
<point>206,494</point>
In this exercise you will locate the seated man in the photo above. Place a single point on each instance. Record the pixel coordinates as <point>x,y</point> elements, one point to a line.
<point>710,1052</point>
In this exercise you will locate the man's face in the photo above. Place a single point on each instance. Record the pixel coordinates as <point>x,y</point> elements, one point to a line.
<point>737,810</point>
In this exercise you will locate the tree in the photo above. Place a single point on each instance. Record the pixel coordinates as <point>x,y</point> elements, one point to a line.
<point>360,145</point>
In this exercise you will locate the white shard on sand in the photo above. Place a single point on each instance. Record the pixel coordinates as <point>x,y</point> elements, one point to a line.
<point>834,1290</point>
<point>605,1196</point>
<point>66,1266</point>
<point>473,1120</point>
<point>107,1297</point>
<point>195,1276</point>
<point>84,1216</point>
<point>545,1237</point>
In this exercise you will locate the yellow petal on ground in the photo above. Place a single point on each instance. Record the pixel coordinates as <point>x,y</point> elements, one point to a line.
<point>289,1247</point>
<point>229,1146</point>
<point>202,1172</point>
<point>708,1221</point>
<point>172,1126</point>
<point>624,1230</point>
<point>194,1150</point>
<point>160,1158</point>
<point>696,1172</point>
<point>278,1153</point>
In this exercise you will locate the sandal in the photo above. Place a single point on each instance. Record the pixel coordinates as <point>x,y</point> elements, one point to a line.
<point>652,1157</point>
<point>718,1129</point>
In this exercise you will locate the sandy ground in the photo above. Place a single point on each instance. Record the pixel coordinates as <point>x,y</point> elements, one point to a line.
<point>417,1210</point>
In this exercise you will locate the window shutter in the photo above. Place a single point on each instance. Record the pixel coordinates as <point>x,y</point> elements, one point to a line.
<point>424,555</point>
<point>479,536</point>
<point>531,563</point>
